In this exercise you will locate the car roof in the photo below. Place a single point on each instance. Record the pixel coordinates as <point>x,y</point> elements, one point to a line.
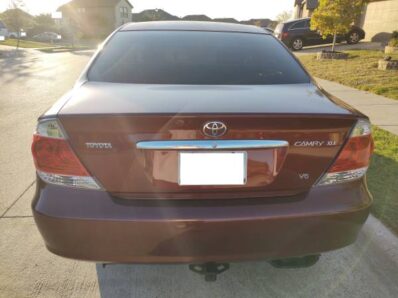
<point>296,20</point>
<point>192,26</point>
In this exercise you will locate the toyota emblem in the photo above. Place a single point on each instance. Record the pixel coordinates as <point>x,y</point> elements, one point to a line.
<point>214,129</point>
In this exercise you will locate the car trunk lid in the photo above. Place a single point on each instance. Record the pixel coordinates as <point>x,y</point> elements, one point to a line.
<point>106,123</point>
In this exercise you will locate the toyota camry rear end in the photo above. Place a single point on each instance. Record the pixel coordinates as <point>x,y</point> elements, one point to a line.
<point>191,142</point>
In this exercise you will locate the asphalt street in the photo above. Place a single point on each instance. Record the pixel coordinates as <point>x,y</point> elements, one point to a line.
<point>30,83</point>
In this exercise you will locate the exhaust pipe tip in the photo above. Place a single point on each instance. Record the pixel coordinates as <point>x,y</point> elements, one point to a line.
<point>295,263</point>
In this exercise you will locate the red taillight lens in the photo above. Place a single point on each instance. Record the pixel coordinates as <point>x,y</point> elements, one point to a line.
<point>285,35</point>
<point>56,157</point>
<point>55,161</point>
<point>353,160</point>
<point>355,154</point>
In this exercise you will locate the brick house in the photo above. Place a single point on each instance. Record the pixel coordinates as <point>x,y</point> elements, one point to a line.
<point>379,18</point>
<point>95,18</point>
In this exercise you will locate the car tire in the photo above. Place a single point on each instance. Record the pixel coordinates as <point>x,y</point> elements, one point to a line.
<point>353,37</point>
<point>297,44</point>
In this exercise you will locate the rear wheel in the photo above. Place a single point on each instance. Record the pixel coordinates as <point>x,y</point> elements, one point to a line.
<point>353,37</point>
<point>297,44</point>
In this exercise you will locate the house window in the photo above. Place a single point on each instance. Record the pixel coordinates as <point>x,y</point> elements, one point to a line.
<point>81,10</point>
<point>124,12</point>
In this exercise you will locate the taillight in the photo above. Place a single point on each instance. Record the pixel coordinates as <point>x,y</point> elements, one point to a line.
<point>353,160</point>
<point>55,161</point>
<point>285,34</point>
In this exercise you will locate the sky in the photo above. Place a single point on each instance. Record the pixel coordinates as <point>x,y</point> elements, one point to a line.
<point>240,10</point>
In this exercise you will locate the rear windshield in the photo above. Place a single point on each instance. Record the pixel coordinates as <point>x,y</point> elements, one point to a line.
<point>195,58</point>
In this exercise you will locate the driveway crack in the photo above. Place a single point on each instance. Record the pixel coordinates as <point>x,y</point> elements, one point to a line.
<point>17,199</point>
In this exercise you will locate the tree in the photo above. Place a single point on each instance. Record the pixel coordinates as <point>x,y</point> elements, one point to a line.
<point>44,20</point>
<point>42,23</point>
<point>15,18</point>
<point>284,16</point>
<point>333,17</point>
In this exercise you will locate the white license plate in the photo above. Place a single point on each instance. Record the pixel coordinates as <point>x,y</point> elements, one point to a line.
<point>212,168</point>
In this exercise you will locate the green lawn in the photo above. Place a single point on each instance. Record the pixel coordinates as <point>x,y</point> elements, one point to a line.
<point>358,71</point>
<point>383,178</point>
<point>25,44</point>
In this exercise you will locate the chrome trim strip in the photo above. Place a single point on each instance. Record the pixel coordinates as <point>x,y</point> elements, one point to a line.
<point>211,144</point>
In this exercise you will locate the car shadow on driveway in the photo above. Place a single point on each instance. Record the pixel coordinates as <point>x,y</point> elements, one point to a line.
<point>364,269</point>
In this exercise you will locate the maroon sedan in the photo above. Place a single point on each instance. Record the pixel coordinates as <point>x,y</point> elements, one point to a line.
<point>200,143</point>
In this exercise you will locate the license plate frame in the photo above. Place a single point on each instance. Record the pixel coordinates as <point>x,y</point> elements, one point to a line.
<point>225,177</point>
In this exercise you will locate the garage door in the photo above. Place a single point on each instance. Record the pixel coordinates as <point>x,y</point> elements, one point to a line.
<point>380,19</point>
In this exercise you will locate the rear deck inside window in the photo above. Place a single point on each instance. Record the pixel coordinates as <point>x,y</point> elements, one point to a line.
<point>195,58</point>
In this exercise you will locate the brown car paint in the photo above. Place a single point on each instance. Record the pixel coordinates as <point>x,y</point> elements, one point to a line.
<point>143,216</point>
<point>134,173</point>
<point>95,226</point>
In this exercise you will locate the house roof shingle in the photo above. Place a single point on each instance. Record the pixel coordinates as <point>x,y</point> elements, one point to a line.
<point>153,15</point>
<point>192,26</point>
<point>197,17</point>
<point>226,20</point>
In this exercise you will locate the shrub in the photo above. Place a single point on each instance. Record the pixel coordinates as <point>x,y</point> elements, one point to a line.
<point>394,39</point>
<point>393,42</point>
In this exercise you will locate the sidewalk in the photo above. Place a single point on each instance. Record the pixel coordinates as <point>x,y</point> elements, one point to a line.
<point>382,111</point>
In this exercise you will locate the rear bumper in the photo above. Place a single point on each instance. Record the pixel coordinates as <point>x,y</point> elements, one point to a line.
<point>91,225</point>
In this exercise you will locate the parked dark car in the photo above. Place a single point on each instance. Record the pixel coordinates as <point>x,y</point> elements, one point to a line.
<point>270,30</point>
<point>298,34</point>
<point>199,142</point>
<point>47,37</point>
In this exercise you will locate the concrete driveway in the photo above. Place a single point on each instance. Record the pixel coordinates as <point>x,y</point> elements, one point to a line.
<point>29,85</point>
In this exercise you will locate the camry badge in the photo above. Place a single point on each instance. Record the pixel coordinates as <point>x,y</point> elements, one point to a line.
<point>214,129</point>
